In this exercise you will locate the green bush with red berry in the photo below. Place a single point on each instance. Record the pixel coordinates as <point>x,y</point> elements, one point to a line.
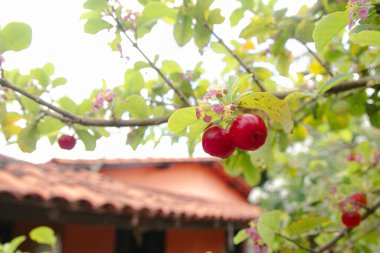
<point>295,111</point>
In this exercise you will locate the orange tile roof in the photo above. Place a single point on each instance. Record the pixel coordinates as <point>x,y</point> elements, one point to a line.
<point>54,182</point>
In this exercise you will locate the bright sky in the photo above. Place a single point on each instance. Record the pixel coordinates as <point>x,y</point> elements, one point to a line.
<point>85,60</point>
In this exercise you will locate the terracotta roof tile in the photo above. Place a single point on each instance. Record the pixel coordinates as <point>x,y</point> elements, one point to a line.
<point>59,184</point>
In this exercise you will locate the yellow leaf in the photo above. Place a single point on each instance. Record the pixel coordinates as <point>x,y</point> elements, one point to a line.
<point>10,130</point>
<point>248,45</point>
<point>277,109</point>
<point>10,118</point>
<point>315,67</point>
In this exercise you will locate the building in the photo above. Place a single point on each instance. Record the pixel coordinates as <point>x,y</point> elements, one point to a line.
<point>107,206</point>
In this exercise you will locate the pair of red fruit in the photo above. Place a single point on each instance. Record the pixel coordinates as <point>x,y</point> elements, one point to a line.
<point>353,218</point>
<point>247,132</point>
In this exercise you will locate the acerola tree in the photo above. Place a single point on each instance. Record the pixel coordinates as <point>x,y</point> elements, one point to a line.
<point>315,110</point>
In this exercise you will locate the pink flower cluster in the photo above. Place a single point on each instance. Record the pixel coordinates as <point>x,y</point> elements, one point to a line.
<point>205,105</point>
<point>357,10</point>
<point>103,96</point>
<point>258,244</point>
<point>1,59</point>
<point>349,204</point>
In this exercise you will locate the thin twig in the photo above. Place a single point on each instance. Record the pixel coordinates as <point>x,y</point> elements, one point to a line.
<point>151,64</point>
<point>70,118</point>
<point>345,231</point>
<point>220,40</point>
<point>319,60</point>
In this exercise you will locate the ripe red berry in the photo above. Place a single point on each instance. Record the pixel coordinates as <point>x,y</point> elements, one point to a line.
<point>216,141</point>
<point>66,141</point>
<point>360,198</point>
<point>351,219</point>
<point>248,132</point>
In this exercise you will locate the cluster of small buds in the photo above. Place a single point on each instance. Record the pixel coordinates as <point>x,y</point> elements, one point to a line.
<point>188,75</point>
<point>205,106</point>
<point>131,17</point>
<point>258,244</point>
<point>103,96</point>
<point>349,204</point>
<point>358,9</point>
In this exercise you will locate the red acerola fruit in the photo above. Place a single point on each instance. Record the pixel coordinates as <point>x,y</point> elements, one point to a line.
<point>66,141</point>
<point>351,219</point>
<point>248,132</point>
<point>216,141</point>
<point>360,198</point>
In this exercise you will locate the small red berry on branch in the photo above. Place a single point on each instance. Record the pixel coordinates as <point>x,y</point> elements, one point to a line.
<point>66,141</point>
<point>351,219</point>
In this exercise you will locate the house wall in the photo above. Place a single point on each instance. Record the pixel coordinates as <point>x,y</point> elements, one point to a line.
<point>195,241</point>
<point>82,238</point>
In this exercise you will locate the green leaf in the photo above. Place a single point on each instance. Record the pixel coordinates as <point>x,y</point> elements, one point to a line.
<point>366,38</point>
<point>87,138</point>
<point>333,82</point>
<point>305,224</point>
<point>268,225</point>
<point>67,104</point>
<point>183,31</point>
<point>154,11</point>
<point>201,35</point>
<point>43,235</point>
<point>304,30</point>
<point>59,81</point>
<point>3,111</point>
<point>95,25</point>
<point>15,36</point>
<point>328,27</point>
<point>218,48</point>
<point>236,16</point>
<point>50,127</point>
<point>181,119</point>
<point>277,109</point>
<point>41,76</point>
<point>16,242</point>
<point>133,82</point>
<point>140,65</point>
<point>27,139</point>
<point>135,136</point>
<point>240,237</point>
<point>136,106</point>
<point>170,67</point>
<point>214,17</point>
<point>97,5</point>
<point>49,69</point>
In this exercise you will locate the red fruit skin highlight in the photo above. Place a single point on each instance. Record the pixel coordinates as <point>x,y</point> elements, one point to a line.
<point>216,141</point>
<point>248,132</point>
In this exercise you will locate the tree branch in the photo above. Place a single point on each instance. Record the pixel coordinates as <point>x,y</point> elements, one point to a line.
<point>254,77</point>
<point>151,64</point>
<point>70,118</point>
<point>345,231</point>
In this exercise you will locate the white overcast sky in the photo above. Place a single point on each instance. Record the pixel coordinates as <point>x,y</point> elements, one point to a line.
<point>85,60</point>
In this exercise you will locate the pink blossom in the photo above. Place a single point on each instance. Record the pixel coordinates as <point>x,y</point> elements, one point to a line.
<point>219,109</point>
<point>207,118</point>
<point>106,95</point>
<point>198,113</point>
<point>258,244</point>
<point>1,59</point>
<point>348,205</point>
<point>363,12</point>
